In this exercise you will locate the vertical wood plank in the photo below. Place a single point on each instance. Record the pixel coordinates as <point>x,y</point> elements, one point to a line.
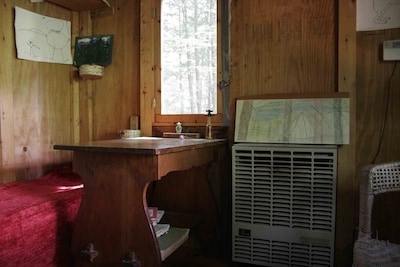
<point>75,100</point>
<point>147,65</point>
<point>236,45</point>
<point>347,184</point>
<point>116,94</point>
<point>7,158</point>
<point>85,86</point>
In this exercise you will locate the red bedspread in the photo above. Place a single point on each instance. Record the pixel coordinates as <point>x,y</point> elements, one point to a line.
<point>36,219</point>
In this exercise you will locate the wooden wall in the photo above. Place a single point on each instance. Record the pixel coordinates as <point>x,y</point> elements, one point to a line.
<point>107,104</point>
<point>378,96</point>
<point>43,104</point>
<point>35,103</point>
<point>302,47</point>
<point>277,46</point>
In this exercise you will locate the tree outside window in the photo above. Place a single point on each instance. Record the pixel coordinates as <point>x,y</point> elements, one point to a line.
<point>188,56</point>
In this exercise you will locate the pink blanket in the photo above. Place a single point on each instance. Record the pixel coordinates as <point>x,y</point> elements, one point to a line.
<point>36,219</point>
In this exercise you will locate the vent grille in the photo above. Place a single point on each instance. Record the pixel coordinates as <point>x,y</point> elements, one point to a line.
<point>284,187</point>
<point>276,253</point>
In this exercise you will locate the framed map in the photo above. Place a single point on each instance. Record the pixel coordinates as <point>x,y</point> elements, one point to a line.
<point>298,121</point>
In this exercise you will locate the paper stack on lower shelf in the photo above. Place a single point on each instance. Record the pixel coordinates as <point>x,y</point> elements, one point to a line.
<point>161,228</point>
<point>172,240</point>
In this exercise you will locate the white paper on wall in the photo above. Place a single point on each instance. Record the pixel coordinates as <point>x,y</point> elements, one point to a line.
<point>378,14</point>
<point>41,38</point>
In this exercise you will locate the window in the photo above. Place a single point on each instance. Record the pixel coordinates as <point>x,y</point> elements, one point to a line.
<point>189,57</point>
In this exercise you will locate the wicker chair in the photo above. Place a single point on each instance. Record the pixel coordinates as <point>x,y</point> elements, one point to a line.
<point>374,180</point>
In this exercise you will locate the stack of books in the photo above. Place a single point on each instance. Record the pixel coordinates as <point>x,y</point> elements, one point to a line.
<point>161,228</point>
<point>158,215</point>
<point>171,241</point>
<point>169,238</point>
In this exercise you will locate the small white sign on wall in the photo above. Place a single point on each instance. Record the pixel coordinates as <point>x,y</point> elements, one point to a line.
<point>391,50</point>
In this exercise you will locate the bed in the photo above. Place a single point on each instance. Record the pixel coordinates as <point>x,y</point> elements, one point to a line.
<point>37,219</point>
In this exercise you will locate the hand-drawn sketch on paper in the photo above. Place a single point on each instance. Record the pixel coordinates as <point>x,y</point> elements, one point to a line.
<point>378,14</point>
<point>41,38</point>
<point>299,121</point>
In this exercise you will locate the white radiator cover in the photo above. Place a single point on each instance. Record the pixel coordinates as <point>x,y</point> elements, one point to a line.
<point>283,207</point>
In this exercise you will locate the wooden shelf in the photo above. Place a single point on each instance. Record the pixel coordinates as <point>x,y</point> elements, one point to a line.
<point>182,220</point>
<point>181,225</point>
<point>79,5</point>
<point>176,135</point>
<point>172,240</point>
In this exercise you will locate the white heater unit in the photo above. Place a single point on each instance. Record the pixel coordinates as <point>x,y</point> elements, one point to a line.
<point>284,204</point>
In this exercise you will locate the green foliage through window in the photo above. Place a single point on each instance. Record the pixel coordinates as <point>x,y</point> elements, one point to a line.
<point>188,56</point>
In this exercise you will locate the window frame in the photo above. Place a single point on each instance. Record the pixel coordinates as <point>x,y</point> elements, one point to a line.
<point>186,119</point>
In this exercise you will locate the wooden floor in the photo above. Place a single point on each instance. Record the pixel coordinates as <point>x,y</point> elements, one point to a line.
<point>192,255</point>
<point>192,260</point>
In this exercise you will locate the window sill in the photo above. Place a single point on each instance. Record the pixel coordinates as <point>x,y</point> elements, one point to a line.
<point>219,132</point>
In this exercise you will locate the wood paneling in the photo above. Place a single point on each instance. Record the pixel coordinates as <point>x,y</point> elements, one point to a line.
<point>282,48</point>
<point>347,187</point>
<point>85,87</point>
<point>312,46</point>
<point>44,103</point>
<point>378,94</point>
<point>79,5</point>
<point>35,103</point>
<point>109,102</point>
<point>7,156</point>
<point>377,126</point>
<point>147,64</point>
<point>277,46</point>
